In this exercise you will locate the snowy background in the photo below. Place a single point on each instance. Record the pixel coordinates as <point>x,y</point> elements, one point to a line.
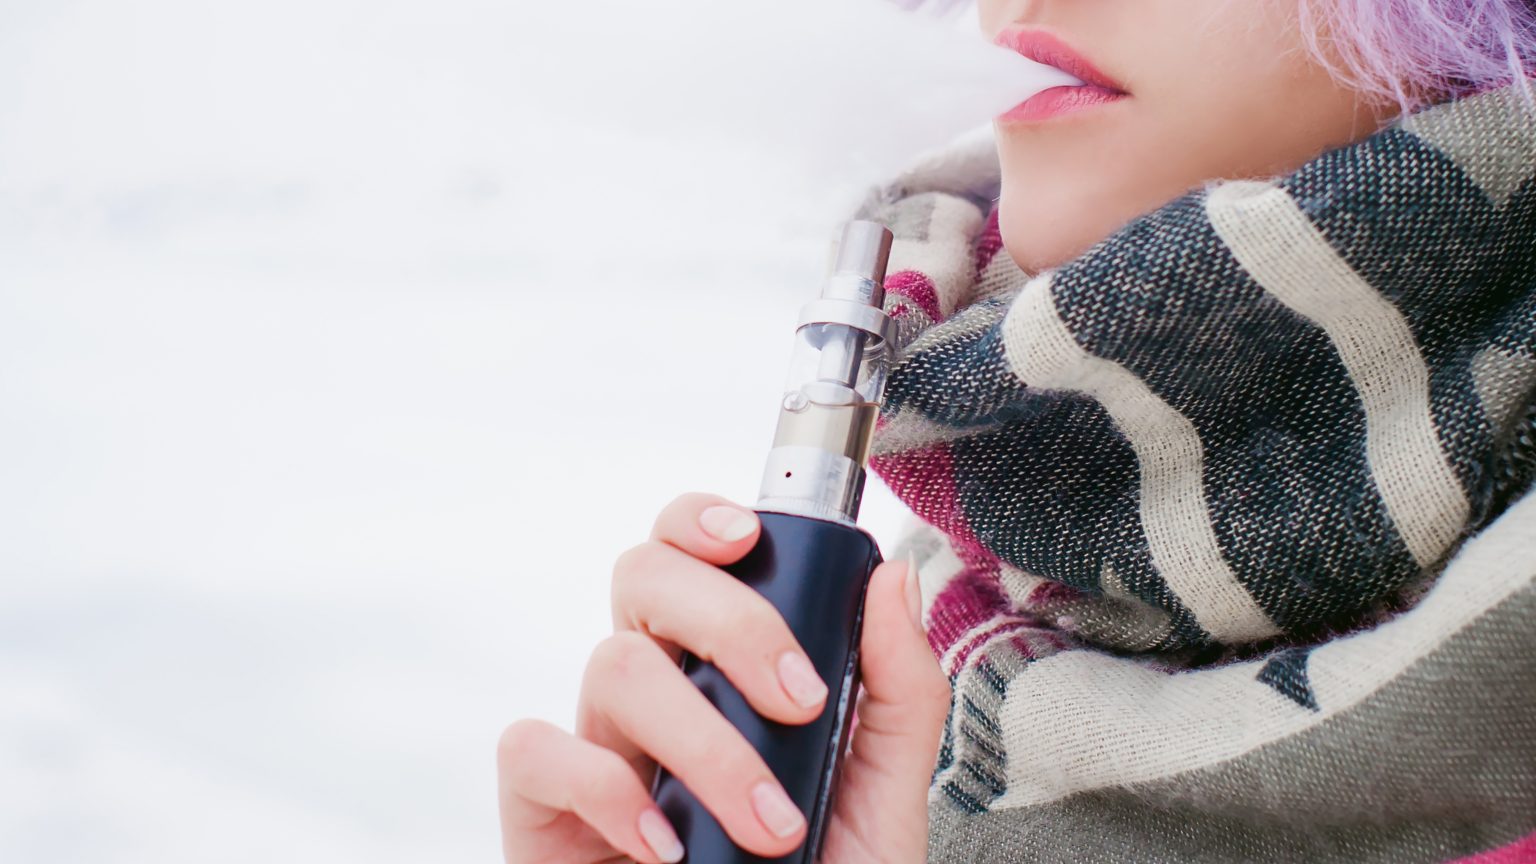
<point>343,346</point>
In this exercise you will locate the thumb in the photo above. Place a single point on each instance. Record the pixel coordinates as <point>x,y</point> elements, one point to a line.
<point>906,695</point>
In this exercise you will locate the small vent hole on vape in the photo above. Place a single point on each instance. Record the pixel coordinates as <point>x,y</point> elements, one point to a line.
<point>787,473</point>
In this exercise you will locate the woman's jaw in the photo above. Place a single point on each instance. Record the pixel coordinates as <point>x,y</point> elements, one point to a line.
<point>1168,103</point>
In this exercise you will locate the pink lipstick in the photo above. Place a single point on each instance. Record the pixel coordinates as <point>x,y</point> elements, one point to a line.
<point>1041,47</point>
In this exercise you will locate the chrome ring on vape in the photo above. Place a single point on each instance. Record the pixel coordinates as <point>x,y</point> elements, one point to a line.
<point>850,314</point>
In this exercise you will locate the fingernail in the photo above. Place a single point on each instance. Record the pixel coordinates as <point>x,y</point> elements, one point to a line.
<point>914,591</point>
<point>775,809</point>
<point>660,837</point>
<point>727,524</point>
<point>800,679</point>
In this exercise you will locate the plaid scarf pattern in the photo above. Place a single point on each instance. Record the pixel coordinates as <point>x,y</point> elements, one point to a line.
<point>1222,526</point>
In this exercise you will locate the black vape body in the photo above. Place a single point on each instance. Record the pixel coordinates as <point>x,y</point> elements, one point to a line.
<point>815,573</point>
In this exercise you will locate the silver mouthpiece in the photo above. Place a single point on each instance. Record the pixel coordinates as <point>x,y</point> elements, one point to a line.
<point>864,249</point>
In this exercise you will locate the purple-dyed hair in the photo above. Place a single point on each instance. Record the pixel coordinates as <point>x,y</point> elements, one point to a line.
<point>1414,52</point>
<point>1417,52</point>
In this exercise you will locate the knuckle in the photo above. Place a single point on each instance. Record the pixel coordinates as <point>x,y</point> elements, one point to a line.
<point>753,632</point>
<point>637,559</point>
<point>617,656</point>
<point>754,623</point>
<point>727,756</point>
<point>609,785</point>
<point>518,741</point>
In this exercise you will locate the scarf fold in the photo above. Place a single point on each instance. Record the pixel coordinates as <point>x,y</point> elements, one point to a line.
<point>1247,465</point>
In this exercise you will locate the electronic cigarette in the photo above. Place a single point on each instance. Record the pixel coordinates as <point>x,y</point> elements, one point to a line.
<point>811,561</point>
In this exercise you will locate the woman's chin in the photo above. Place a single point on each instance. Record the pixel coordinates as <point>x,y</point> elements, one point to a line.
<point>1036,244</point>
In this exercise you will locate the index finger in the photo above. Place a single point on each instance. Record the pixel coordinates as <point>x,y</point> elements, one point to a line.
<point>709,527</point>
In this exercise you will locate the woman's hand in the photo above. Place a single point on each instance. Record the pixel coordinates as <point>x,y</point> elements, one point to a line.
<point>585,797</point>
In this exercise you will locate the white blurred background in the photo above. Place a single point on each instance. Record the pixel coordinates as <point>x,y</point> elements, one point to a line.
<point>343,346</point>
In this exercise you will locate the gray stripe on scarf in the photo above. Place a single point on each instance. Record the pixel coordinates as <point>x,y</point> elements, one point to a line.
<point>1451,730</point>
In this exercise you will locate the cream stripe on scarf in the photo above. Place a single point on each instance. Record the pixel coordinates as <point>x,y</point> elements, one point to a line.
<point>1042,352</point>
<point>936,573</point>
<point>1496,156</point>
<point>1082,720</point>
<point>1279,246</point>
<point>943,251</point>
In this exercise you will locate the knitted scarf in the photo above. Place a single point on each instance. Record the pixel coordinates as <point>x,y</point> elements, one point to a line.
<point>1221,526</point>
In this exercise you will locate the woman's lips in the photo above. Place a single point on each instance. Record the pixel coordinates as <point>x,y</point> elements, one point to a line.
<point>1059,100</point>
<point>1042,47</point>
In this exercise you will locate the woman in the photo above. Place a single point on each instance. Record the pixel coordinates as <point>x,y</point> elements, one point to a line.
<point>1210,467</point>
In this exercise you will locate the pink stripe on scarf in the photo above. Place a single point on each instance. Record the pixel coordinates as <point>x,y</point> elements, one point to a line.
<point>924,478</point>
<point>984,636</point>
<point>1522,851</point>
<point>988,243</point>
<point>916,289</point>
<point>1047,593</point>
<point>968,601</point>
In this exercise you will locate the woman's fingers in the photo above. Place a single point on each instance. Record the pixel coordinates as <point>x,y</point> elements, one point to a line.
<point>708,527</point>
<point>633,691</point>
<point>900,725</point>
<point>545,773</point>
<point>672,596</point>
<point>906,695</point>
<point>906,691</point>
<point>585,797</point>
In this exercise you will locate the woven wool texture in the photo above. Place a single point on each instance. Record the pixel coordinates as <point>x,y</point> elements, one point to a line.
<point>1222,526</point>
